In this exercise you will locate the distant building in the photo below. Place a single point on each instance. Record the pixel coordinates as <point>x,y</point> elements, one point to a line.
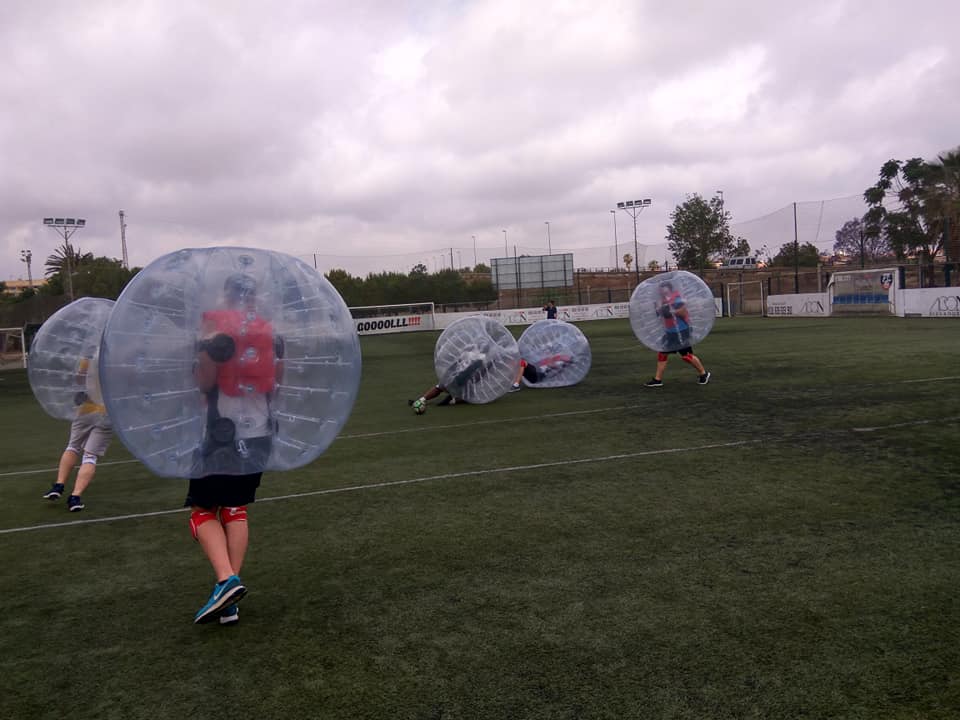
<point>15,287</point>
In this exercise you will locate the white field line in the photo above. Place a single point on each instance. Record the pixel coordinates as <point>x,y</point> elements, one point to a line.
<point>469,473</point>
<point>410,481</point>
<point>360,436</point>
<point>908,423</point>
<point>431,428</point>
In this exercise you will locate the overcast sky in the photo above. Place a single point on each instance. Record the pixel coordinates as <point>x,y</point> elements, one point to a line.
<point>395,129</point>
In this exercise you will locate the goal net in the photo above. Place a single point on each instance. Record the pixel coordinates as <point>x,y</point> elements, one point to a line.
<point>13,352</point>
<point>748,298</point>
<point>863,292</point>
<point>381,319</point>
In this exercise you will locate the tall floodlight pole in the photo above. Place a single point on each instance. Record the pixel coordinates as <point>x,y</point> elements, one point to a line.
<point>634,208</point>
<point>506,252</point>
<point>27,256</point>
<point>123,241</point>
<point>65,228</point>
<point>474,250</point>
<point>616,250</point>
<point>549,247</point>
<point>796,253</point>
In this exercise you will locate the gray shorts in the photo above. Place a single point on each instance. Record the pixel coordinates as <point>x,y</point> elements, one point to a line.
<point>90,434</point>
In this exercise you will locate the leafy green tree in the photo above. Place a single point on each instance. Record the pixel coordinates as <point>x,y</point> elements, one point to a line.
<point>809,256</point>
<point>101,277</point>
<point>481,268</point>
<point>699,232</point>
<point>419,269</point>
<point>741,248</point>
<point>628,260</point>
<point>916,205</point>
<point>853,240</point>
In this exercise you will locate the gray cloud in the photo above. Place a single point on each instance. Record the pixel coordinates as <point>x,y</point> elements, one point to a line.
<point>393,130</point>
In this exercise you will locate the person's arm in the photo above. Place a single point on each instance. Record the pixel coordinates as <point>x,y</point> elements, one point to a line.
<point>205,372</point>
<point>279,350</point>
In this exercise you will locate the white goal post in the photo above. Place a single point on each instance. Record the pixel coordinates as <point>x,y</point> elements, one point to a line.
<point>746,299</point>
<point>863,292</point>
<point>13,349</point>
<point>404,317</point>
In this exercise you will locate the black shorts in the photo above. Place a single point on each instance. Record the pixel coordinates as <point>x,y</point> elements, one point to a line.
<point>677,342</point>
<point>215,491</point>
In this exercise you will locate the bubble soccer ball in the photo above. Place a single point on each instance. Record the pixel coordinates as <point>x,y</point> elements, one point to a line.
<point>557,354</point>
<point>228,361</point>
<point>419,406</point>
<point>64,357</point>
<point>476,359</point>
<point>672,310</point>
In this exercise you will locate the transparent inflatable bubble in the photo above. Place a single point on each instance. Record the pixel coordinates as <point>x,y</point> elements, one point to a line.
<point>557,354</point>
<point>64,356</point>
<point>672,310</point>
<point>229,361</point>
<point>476,359</point>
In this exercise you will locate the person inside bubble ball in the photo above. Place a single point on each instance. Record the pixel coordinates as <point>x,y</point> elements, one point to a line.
<point>465,370</point>
<point>239,363</point>
<point>672,310</point>
<point>90,436</point>
<point>535,372</point>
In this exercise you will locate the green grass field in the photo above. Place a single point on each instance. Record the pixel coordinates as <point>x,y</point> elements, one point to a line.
<point>781,543</point>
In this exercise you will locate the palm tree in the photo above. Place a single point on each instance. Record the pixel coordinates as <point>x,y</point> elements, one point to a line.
<point>65,256</point>
<point>943,200</point>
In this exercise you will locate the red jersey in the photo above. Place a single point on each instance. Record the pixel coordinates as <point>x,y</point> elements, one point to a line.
<point>251,367</point>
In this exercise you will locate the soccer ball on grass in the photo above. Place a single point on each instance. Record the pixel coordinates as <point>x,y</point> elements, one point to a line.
<point>419,406</point>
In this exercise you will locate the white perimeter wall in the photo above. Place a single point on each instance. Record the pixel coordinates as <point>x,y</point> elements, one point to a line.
<point>929,302</point>
<point>518,316</point>
<point>926,302</point>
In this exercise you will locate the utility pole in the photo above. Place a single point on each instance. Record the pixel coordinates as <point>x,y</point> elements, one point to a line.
<point>123,241</point>
<point>27,256</point>
<point>796,253</point>
<point>616,249</point>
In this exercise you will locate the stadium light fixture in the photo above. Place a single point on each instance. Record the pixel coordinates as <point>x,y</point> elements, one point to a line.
<point>634,208</point>
<point>65,227</point>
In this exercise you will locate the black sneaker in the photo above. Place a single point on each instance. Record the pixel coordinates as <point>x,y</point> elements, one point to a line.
<point>653,383</point>
<point>55,492</point>
<point>410,403</point>
<point>75,504</point>
<point>703,379</point>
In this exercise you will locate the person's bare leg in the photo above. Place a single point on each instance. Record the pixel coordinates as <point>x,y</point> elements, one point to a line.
<point>213,542</point>
<point>661,367</point>
<point>238,537</point>
<point>84,476</point>
<point>67,462</point>
<point>695,361</point>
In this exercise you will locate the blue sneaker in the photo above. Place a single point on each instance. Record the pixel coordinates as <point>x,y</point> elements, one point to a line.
<point>224,593</point>
<point>55,492</point>
<point>230,615</point>
<point>75,504</point>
